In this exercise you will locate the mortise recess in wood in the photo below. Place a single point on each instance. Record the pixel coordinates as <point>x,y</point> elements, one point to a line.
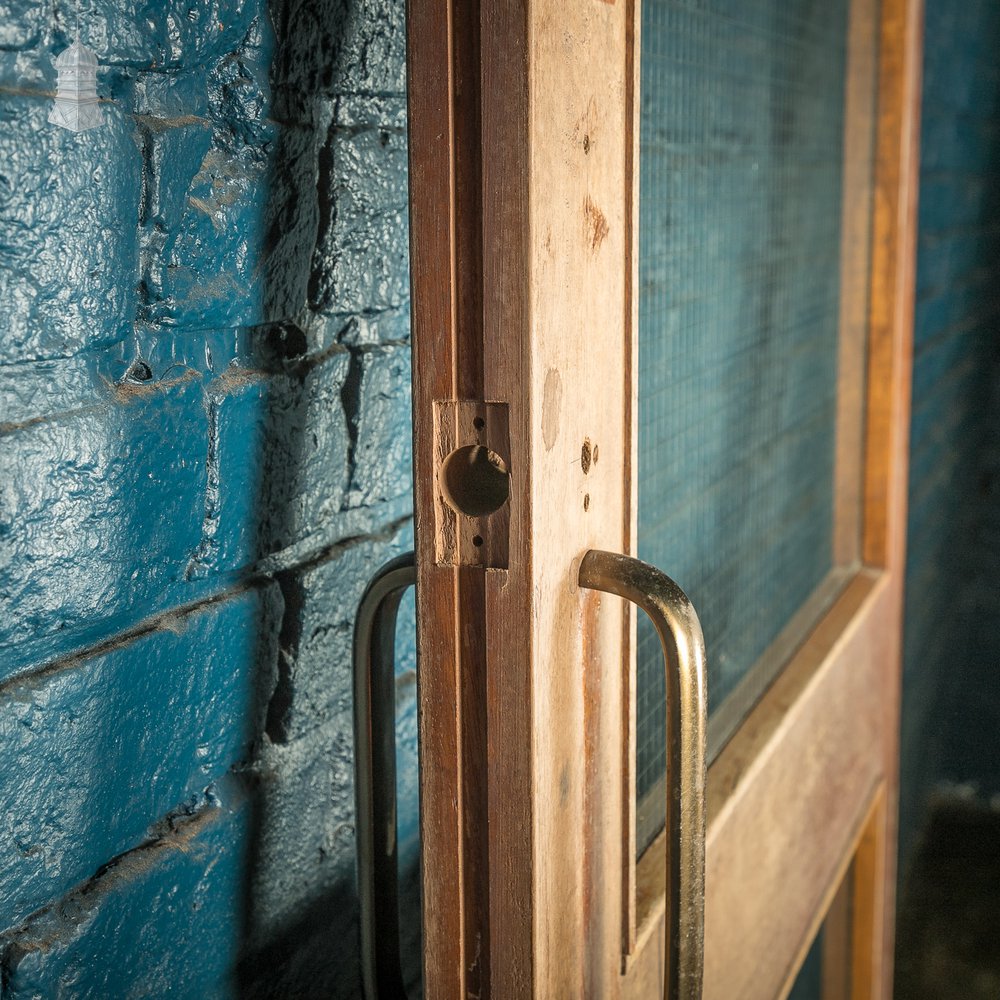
<point>472,470</point>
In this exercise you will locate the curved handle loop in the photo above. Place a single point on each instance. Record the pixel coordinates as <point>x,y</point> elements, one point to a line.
<point>683,644</point>
<point>375,776</point>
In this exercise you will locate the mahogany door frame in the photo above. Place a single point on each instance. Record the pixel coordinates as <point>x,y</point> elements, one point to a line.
<point>523,165</point>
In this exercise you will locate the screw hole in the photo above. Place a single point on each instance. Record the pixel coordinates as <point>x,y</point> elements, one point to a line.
<point>477,540</point>
<point>479,423</point>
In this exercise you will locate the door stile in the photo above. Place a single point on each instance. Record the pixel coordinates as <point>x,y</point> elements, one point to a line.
<point>886,480</point>
<point>559,337</point>
<point>446,278</point>
<point>630,472</point>
<point>509,634</point>
<point>860,114</point>
<point>522,224</point>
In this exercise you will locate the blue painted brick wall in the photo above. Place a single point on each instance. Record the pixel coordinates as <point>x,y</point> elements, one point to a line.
<point>951,681</point>
<point>204,455</point>
<point>123,736</point>
<point>159,921</point>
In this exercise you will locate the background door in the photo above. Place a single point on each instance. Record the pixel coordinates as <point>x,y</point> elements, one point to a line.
<point>709,368</point>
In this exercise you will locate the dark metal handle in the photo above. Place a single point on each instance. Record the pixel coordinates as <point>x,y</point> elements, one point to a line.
<point>375,776</point>
<point>683,644</point>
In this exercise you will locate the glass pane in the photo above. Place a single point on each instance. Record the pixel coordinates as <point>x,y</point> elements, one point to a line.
<point>809,982</point>
<point>742,143</point>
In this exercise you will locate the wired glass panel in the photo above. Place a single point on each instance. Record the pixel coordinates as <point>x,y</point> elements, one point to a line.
<point>742,105</point>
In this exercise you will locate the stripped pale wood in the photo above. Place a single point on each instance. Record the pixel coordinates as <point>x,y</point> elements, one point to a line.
<point>836,954</point>
<point>852,935</point>
<point>580,340</point>
<point>841,890</point>
<point>855,266</point>
<point>889,376</point>
<point>522,231</point>
<point>870,973</point>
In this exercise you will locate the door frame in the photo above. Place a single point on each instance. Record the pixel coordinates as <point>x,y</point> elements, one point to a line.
<point>524,201</point>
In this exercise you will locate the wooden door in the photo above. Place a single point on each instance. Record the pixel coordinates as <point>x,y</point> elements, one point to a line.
<point>525,215</point>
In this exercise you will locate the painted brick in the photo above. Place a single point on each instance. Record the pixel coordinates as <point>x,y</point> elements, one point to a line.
<point>388,325</point>
<point>163,920</point>
<point>95,752</point>
<point>304,844</point>
<point>257,264</point>
<point>330,47</point>
<point>20,24</point>
<point>382,430</point>
<point>33,390</point>
<point>186,483</point>
<point>292,221</point>
<point>361,248</point>
<point>100,512</point>
<point>321,600</point>
<point>308,457</point>
<point>208,179</point>
<point>167,34</point>
<point>218,886</point>
<point>67,233</point>
<point>305,848</point>
<point>302,912</point>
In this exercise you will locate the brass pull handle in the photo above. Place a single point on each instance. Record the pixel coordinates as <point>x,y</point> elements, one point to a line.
<point>375,776</point>
<point>683,644</point>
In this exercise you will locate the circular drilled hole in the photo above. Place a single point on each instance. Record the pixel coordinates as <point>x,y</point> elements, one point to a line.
<point>475,480</point>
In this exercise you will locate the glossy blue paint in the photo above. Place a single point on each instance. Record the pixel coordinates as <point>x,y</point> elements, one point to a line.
<point>89,496</point>
<point>68,233</point>
<point>204,455</point>
<point>74,743</point>
<point>153,924</point>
